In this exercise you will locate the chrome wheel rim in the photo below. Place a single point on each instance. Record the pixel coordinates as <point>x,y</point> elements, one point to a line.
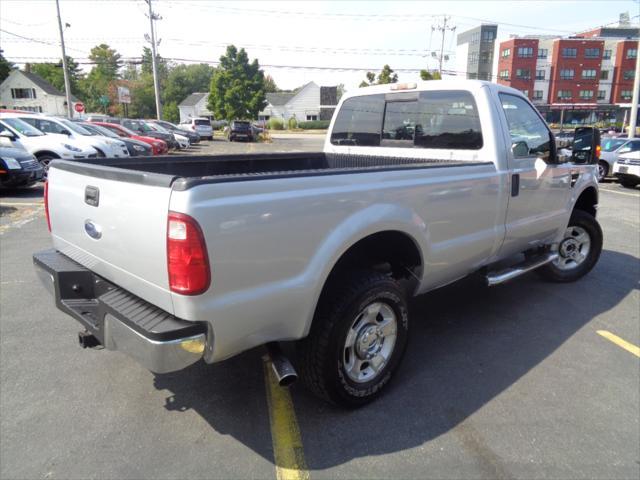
<point>44,163</point>
<point>370,342</point>
<point>601,171</point>
<point>573,249</point>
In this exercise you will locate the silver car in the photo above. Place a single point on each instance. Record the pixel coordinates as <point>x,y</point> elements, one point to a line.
<point>612,148</point>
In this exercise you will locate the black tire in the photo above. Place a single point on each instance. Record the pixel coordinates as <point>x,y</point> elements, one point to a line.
<point>590,225</point>
<point>321,354</point>
<point>629,183</point>
<point>44,163</point>
<point>603,170</point>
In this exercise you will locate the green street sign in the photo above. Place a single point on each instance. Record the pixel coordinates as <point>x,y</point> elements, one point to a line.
<point>104,100</point>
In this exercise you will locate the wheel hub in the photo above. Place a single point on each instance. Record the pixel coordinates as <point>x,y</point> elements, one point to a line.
<point>369,342</point>
<point>574,249</point>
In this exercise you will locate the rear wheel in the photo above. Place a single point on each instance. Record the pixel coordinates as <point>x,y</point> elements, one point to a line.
<point>578,251</point>
<point>357,339</point>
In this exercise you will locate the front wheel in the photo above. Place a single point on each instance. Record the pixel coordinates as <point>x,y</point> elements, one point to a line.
<point>629,183</point>
<point>44,161</point>
<point>578,251</point>
<point>357,339</point>
<point>603,170</point>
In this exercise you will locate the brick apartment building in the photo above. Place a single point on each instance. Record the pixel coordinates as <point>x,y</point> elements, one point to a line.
<point>588,77</point>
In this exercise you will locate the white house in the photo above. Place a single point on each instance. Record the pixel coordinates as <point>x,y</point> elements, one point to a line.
<point>30,92</point>
<point>309,102</point>
<point>195,105</point>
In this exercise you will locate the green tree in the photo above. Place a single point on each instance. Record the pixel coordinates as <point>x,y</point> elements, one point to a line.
<point>270,84</point>
<point>147,64</point>
<point>183,80</point>
<point>54,74</point>
<point>237,87</point>
<point>171,112</point>
<point>385,76</point>
<point>427,75</point>
<point>104,73</point>
<point>5,67</point>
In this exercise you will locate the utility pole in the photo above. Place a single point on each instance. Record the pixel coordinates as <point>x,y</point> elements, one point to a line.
<point>67,85</point>
<point>156,84</point>
<point>636,93</point>
<point>443,27</point>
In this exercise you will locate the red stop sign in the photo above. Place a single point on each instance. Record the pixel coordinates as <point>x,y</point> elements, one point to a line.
<point>79,107</point>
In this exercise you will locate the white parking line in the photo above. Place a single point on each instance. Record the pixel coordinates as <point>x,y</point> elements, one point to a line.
<point>619,193</point>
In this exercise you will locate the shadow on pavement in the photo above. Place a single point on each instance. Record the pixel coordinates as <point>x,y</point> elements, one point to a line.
<point>34,192</point>
<point>468,344</point>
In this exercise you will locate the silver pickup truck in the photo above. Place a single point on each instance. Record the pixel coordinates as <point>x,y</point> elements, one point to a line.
<point>177,259</point>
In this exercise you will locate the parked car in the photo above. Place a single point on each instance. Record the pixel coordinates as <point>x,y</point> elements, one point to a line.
<point>183,140</point>
<point>240,130</point>
<point>564,139</point>
<point>159,147</point>
<point>136,147</point>
<point>202,126</point>
<point>18,168</point>
<point>42,146</point>
<point>105,147</point>
<point>321,248</point>
<point>612,148</point>
<point>627,169</point>
<point>141,127</point>
<point>193,136</point>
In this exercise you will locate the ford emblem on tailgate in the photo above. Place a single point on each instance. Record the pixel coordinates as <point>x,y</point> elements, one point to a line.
<point>93,230</point>
<point>92,196</point>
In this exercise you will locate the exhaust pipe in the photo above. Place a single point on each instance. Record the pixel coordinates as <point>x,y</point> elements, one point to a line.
<point>87,340</point>
<point>282,367</point>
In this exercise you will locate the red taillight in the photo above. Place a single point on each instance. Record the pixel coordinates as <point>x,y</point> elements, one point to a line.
<point>598,150</point>
<point>46,204</point>
<point>187,259</point>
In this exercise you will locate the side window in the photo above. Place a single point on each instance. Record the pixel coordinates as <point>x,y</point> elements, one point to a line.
<point>48,127</point>
<point>635,146</point>
<point>359,121</point>
<point>529,134</point>
<point>438,119</point>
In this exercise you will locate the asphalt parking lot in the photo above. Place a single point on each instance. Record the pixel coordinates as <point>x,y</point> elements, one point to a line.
<point>509,382</point>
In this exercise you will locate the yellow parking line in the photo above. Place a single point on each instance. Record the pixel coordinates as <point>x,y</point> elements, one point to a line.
<point>285,434</point>
<point>629,347</point>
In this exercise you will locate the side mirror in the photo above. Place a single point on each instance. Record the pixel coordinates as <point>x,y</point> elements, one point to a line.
<point>8,135</point>
<point>520,149</point>
<point>66,132</point>
<point>586,145</point>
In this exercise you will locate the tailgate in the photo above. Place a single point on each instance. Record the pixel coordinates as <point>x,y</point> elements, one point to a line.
<point>114,223</point>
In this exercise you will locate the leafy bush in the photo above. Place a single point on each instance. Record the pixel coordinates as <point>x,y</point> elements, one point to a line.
<point>314,125</point>
<point>293,123</point>
<point>275,124</point>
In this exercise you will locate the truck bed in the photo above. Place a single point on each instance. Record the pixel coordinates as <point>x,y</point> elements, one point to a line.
<point>183,172</point>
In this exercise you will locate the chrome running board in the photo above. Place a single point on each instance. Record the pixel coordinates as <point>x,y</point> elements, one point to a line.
<point>496,278</point>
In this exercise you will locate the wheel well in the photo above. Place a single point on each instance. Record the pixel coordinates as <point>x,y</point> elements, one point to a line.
<point>391,252</point>
<point>46,153</point>
<point>587,201</point>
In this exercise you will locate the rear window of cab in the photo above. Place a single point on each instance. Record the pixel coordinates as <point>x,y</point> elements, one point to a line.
<point>433,119</point>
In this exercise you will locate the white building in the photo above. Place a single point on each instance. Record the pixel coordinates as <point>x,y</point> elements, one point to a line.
<point>30,92</point>
<point>194,106</point>
<point>309,102</point>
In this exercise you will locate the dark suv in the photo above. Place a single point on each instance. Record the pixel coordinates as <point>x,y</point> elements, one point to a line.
<point>240,130</point>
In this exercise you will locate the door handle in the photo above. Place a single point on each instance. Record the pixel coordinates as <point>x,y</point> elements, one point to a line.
<point>574,178</point>
<point>515,184</point>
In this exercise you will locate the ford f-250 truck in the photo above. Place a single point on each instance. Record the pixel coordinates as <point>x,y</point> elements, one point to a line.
<point>176,260</point>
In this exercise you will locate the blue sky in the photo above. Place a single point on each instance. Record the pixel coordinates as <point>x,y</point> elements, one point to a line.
<point>341,34</point>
